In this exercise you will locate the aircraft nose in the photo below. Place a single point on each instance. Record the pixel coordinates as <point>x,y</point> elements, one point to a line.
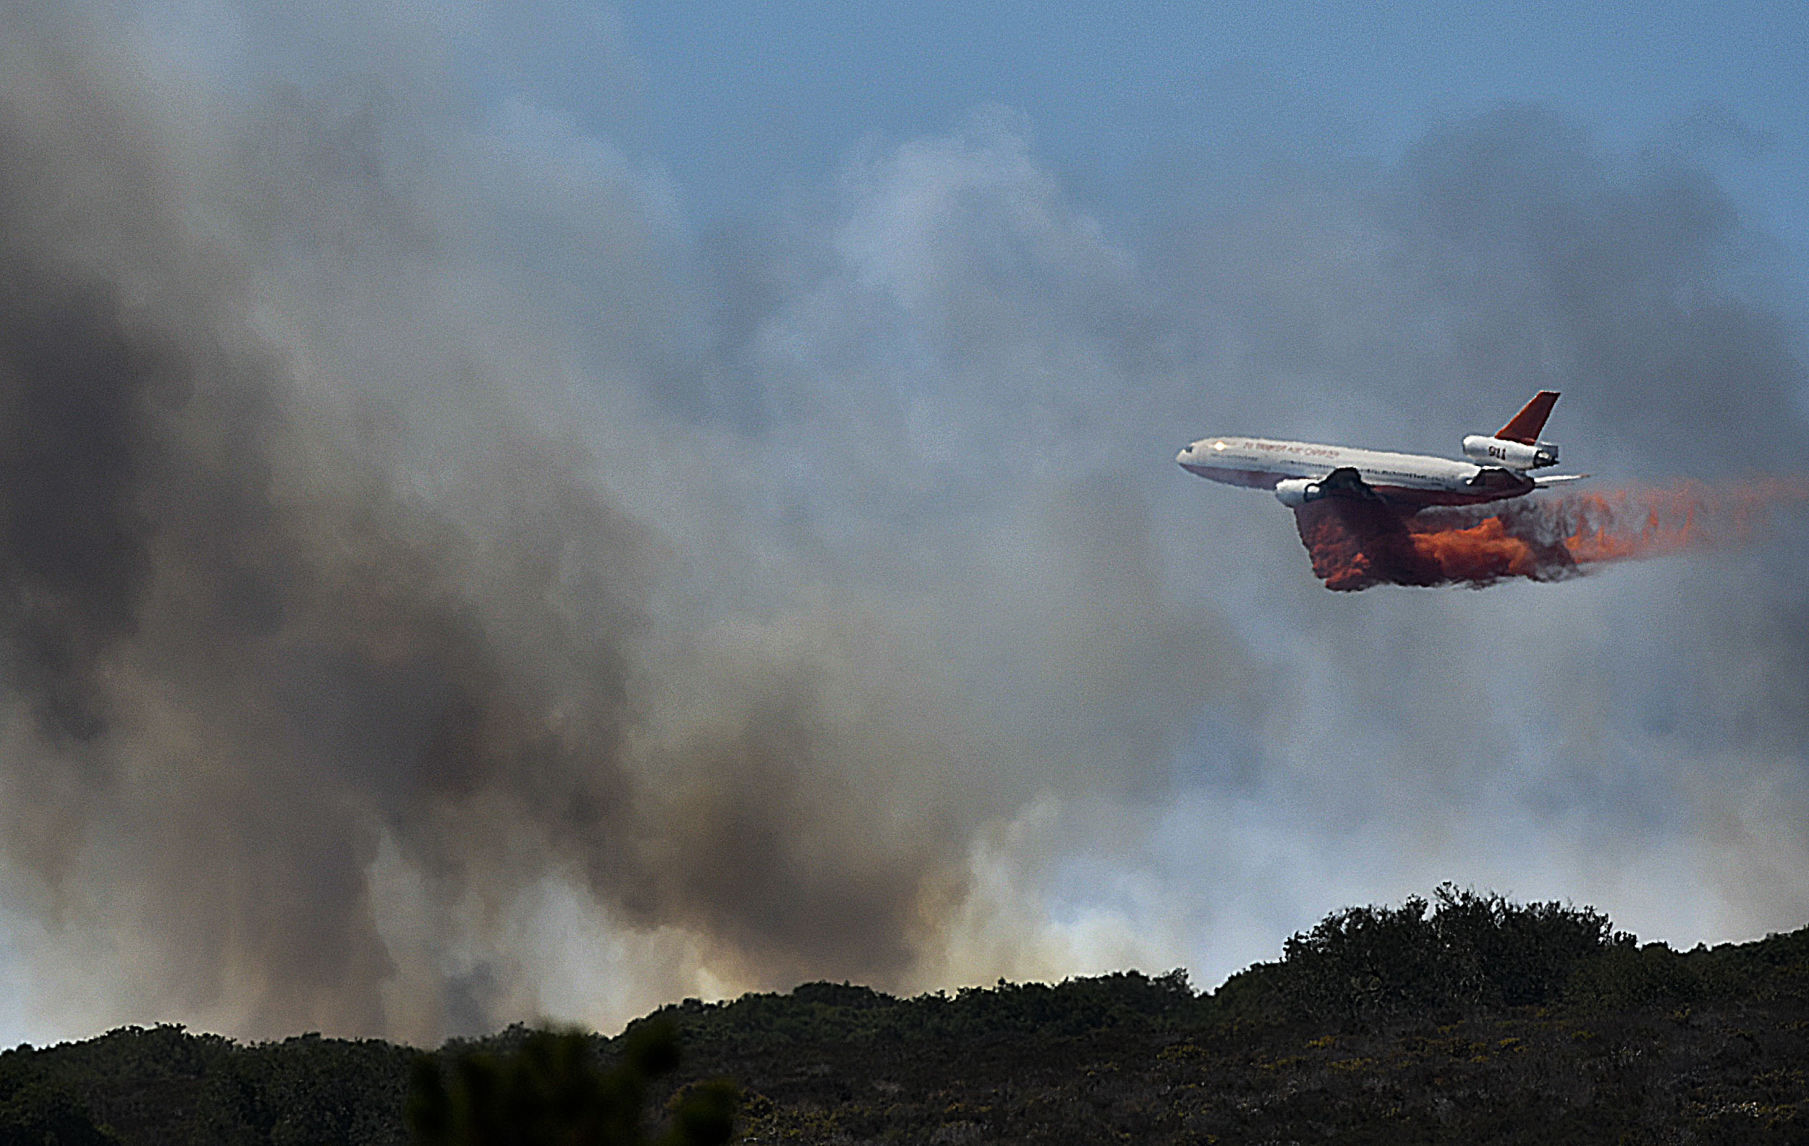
<point>1186,452</point>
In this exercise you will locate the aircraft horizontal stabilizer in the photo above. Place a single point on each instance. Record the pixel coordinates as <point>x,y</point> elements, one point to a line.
<point>1557,479</point>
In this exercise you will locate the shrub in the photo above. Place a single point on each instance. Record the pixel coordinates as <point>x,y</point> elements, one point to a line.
<point>552,1090</point>
<point>1471,951</point>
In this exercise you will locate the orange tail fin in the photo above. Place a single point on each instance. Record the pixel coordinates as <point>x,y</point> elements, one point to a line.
<point>1526,425</point>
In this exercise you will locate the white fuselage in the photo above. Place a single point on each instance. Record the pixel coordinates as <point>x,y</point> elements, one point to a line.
<point>1409,480</point>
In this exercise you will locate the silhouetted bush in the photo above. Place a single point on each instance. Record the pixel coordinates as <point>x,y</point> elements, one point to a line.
<point>1626,977</point>
<point>816,1012</point>
<point>553,1091</point>
<point>40,1112</point>
<point>1472,951</point>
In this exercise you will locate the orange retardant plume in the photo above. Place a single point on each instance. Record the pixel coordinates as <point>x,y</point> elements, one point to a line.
<point>1356,544</point>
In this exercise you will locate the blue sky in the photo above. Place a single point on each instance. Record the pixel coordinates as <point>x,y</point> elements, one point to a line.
<point>746,100</point>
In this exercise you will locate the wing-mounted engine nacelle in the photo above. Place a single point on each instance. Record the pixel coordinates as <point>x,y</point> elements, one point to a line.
<point>1487,451</point>
<point>1296,492</point>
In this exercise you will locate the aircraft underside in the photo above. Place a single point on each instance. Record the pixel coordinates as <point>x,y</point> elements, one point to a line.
<point>1348,483</point>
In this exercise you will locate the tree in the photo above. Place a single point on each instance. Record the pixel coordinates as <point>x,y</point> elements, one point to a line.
<point>1473,950</point>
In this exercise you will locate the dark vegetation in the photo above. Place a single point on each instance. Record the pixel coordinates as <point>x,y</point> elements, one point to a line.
<point>1468,1019</point>
<point>550,1087</point>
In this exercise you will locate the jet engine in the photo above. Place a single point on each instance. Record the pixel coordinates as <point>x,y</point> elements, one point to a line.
<point>1486,451</point>
<point>1296,492</point>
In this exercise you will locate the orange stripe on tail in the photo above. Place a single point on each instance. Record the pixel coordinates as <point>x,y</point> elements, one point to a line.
<point>1530,420</point>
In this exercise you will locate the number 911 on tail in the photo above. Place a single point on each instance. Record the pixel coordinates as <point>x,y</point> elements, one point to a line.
<point>1500,466</point>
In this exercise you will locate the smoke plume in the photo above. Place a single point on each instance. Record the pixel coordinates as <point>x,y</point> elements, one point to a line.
<point>1358,544</point>
<point>354,653</point>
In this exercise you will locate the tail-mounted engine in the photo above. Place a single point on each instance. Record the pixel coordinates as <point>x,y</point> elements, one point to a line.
<point>1485,451</point>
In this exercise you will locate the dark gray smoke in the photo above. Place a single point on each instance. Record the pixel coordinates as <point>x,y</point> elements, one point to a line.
<point>438,588</point>
<point>236,655</point>
<point>327,655</point>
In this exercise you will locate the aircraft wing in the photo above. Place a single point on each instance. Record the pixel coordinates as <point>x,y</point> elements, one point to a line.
<point>1345,481</point>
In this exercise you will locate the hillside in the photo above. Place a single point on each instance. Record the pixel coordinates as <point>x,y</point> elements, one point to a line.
<point>1465,1019</point>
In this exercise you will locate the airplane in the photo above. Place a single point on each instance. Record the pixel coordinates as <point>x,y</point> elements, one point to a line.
<point>1302,472</point>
